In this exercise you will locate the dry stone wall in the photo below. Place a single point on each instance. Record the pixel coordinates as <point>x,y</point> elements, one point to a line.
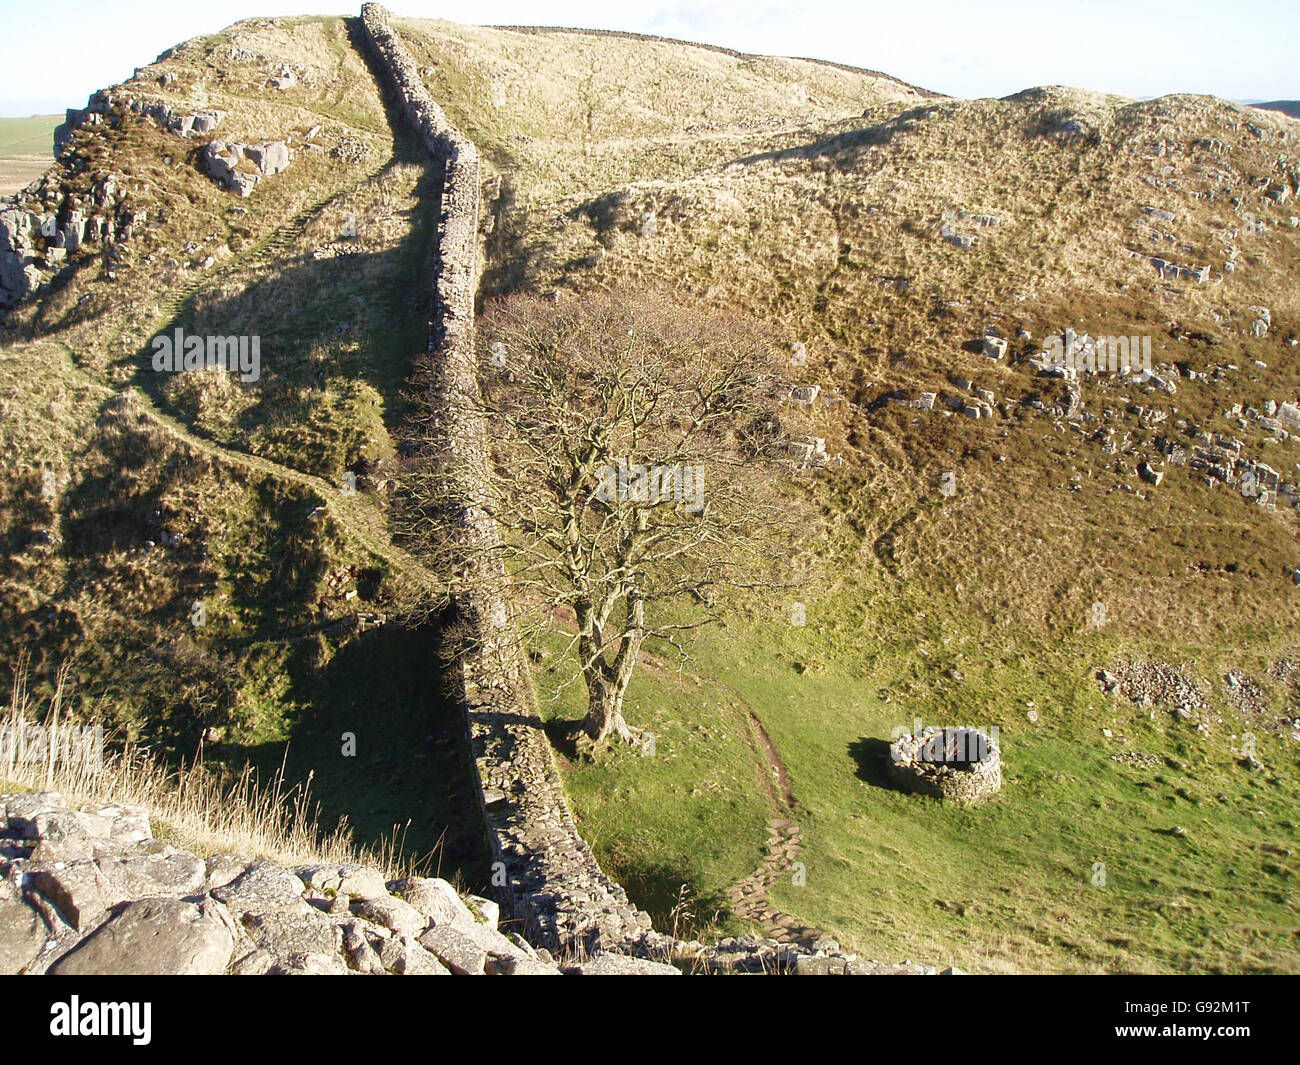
<point>553,885</point>
<point>959,765</point>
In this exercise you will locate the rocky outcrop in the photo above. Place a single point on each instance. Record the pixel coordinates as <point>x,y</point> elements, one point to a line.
<point>994,347</point>
<point>92,892</point>
<point>45,230</point>
<point>1171,272</point>
<point>48,227</point>
<point>19,276</point>
<point>239,167</point>
<point>103,104</point>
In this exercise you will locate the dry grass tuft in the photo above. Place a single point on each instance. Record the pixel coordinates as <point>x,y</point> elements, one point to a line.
<point>197,806</point>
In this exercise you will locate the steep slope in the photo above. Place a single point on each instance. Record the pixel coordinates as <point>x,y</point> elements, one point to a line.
<point>210,551</point>
<point>883,243</point>
<point>883,232</point>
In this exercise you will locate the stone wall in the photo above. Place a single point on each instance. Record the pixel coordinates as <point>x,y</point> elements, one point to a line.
<point>958,765</point>
<point>554,887</point>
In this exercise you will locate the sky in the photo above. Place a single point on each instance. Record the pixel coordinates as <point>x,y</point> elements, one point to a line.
<point>1240,49</point>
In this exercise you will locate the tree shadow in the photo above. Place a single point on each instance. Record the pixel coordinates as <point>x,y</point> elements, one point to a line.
<point>565,736</point>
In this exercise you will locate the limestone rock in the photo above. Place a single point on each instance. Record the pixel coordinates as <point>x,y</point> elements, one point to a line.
<point>242,184</point>
<point>490,940</point>
<point>219,160</point>
<point>488,910</point>
<point>264,886</point>
<point>284,933</point>
<point>130,823</point>
<point>509,966</point>
<point>392,913</point>
<point>159,937</point>
<point>455,950</point>
<point>995,347</point>
<point>435,899</point>
<point>356,881</point>
<point>59,826</point>
<point>18,813</point>
<point>270,157</point>
<point>308,965</point>
<point>168,872</point>
<point>255,962</point>
<point>622,965</point>
<point>207,121</point>
<point>404,957</point>
<point>76,889</point>
<point>22,931</point>
<point>223,869</point>
<point>1150,474</point>
<point>361,953</point>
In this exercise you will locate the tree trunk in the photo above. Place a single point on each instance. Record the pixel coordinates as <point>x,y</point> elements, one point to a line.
<point>605,709</point>
<point>607,681</point>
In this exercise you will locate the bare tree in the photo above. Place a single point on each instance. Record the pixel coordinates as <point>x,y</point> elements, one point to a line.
<point>637,469</point>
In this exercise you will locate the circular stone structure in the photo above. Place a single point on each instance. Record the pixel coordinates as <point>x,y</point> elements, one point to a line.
<point>961,765</point>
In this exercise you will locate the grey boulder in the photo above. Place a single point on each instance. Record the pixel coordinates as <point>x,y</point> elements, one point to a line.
<point>157,937</point>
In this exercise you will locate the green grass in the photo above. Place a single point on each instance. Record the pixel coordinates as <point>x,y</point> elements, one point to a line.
<point>798,221</point>
<point>703,783</point>
<point>33,135</point>
<point>1005,887</point>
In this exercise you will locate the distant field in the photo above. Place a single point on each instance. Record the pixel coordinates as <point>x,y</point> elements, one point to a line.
<point>26,149</point>
<point>28,136</point>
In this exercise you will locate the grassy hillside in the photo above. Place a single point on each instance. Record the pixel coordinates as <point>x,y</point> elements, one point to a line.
<point>829,203</point>
<point>175,490</point>
<point>172,490</point>
<point>831,221</point>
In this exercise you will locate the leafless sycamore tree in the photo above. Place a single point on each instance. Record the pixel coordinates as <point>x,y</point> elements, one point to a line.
<point>638,471</point>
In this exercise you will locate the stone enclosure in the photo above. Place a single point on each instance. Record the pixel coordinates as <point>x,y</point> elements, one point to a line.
<point>958,765</point>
